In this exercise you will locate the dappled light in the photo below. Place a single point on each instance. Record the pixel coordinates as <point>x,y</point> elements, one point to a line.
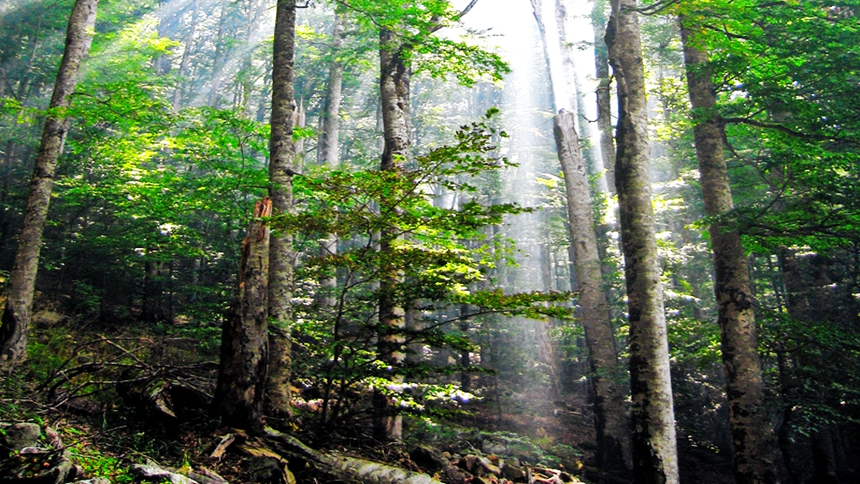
<point>429,241</point>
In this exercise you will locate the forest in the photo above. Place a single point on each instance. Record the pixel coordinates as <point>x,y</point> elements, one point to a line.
<point>430,241</point>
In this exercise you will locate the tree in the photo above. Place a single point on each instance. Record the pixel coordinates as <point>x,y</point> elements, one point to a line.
<point>242,375</point>
<point>406,34</point>
<point>752,435</point>
<point>613,435</point>
<point>655,457</point>
<point>16,316</point>
<point>328,151</point>
<point>441,259</point>
<point>604,94</point>
<point>282,154</point>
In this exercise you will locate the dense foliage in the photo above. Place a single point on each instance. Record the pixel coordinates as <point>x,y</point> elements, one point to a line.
<point>169,151</point>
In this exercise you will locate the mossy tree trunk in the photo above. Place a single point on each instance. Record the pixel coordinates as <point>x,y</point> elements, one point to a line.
<point>394,90</point>
<point>753,442</point>
<point>655,458</point>
<point>282,158</point>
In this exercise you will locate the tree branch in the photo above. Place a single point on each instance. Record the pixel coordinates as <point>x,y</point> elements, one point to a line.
<point>787,130</point>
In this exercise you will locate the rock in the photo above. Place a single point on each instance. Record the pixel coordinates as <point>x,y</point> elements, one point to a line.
<point>513,472</point>
<point>470,463</point>
<point>453,475</point>
<point>21,435</point>
<point>153,473</point>
<point>511,446</point>
<point>97,480</point>
<point>495,447</point>
<point>429,458</point>
<point>487,467</point>
<point>48,318</point>
<point>36,466</point>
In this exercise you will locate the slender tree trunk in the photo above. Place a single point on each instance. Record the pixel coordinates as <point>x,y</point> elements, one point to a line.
<point>22,282</point>
<point>328,145</point>
<point>280,178</point>
<point>5,216</point>
<point>613,434</point>
<point>328,153</point>
<point>394,91</point>
<point>244,341</point>
<point>153,290</point>
<point>753,442</point>
<point>655,458</point>
<point>218,59</point>
<point>567,63</point>
<point>186,55</point>
<point>604,101</point>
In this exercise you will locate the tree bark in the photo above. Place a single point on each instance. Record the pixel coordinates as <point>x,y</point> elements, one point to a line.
<point>15,323</point>
<point>186,55</point>
<point>613,434</point>
<point>239,395</point>
<point>604,101</point>
<point>753,441</point>
<point>328,153</point>
<point>218,59</point>
<point>328,145</point>
<point>567,63</point>
<point>394,90</point>
<point>655,457</point>
<point>282,156</point>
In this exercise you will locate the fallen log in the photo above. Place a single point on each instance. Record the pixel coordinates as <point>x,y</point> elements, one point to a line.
<point>341,467</point>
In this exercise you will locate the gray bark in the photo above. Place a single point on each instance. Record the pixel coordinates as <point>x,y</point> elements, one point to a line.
<point>186,55</point>
<point>655,457</point>
<point>753,441</point>
<point>613,434</point>
<point>568,65</point>
<point>282,157</point>
<point>604,101</point>
<point>328,145</point>
<point>327,152</point>
<point>218,60</point>
<point>239,395</point>
<point>394,90</point>
<point>15,323</point>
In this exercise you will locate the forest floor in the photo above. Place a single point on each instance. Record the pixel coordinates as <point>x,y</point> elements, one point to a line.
<point>89,385</point>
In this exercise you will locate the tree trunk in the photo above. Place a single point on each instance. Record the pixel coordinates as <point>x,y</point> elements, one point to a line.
<point>186,55</point>
<point>218,59</point>
<point>655,458</point>
<point>244,340</point>
<point>153,291</point>
<point>394,91</point>
<point>567,63</point>
<point>22,281</point>
<point>328,145</point>
<point>328,153</point>
<point>280,190</point>
<point>604,101</point>
<point>753,442</point>
<point>613,434</point>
